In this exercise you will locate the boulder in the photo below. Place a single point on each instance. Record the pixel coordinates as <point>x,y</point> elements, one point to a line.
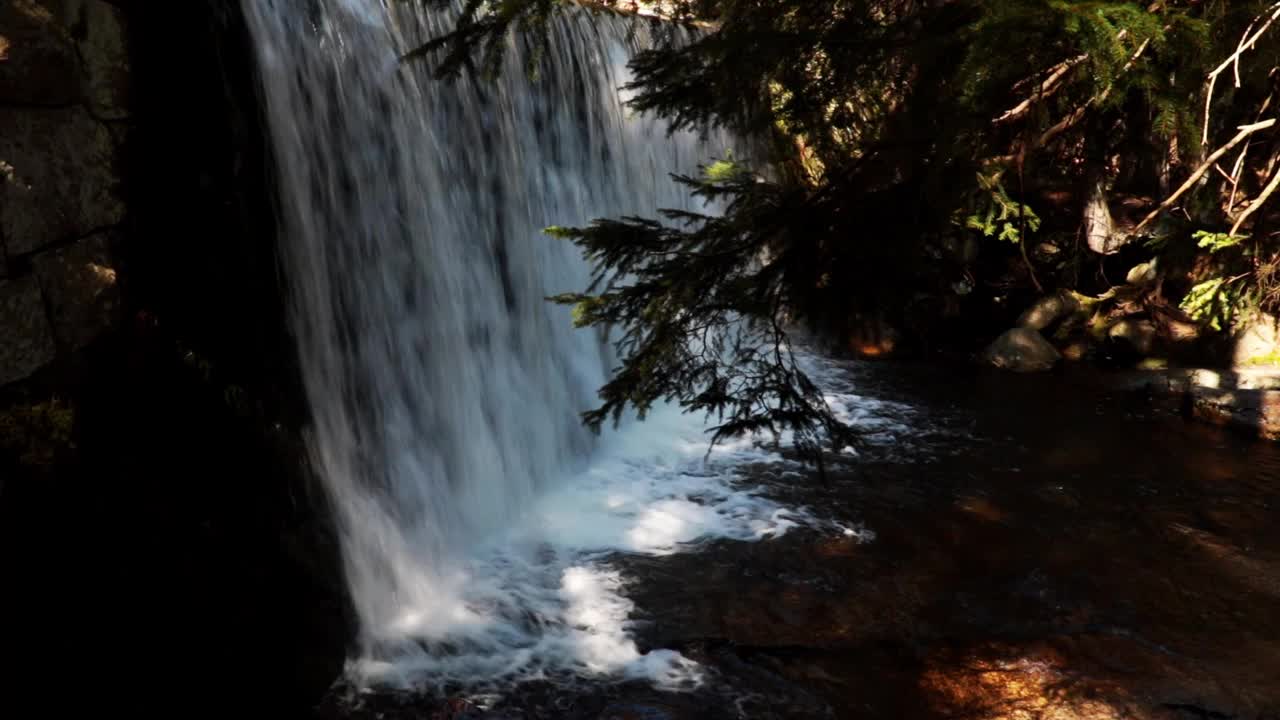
<point>1137,334</point>
<point>1258,342</point>
<point>38,63</point>
<point>1046,251</point>
<point>1048,310</point>
<point>57,178</point>
<point>1142,274</point>
<point>80,286</point>
<point>1021,350</point>
<point>28,343</point>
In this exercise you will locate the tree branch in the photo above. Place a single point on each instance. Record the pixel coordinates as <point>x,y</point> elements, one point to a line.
<point>1246,43</point>
<point>1046,88</point>
<point>1258,202</point>
<point>1245,131</point>
<point>1076,115</point>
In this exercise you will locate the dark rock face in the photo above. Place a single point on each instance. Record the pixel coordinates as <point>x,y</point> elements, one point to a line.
<point>182,554</point>
<point>28,342</point>
<point>64,115</point>
<point>61,182</point>
<point>82,291</point>
<point>38,64</point>
<point>101,40</point>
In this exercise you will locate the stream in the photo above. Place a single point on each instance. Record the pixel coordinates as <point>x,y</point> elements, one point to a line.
<point>1003,547</point>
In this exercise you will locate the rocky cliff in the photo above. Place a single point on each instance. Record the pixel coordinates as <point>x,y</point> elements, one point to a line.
<point>64,116</point>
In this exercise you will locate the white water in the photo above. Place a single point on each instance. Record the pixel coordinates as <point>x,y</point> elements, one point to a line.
<point>477,514</point>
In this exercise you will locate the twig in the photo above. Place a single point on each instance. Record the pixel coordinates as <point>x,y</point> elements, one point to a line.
<point>1022,231</point>
<point>1245,131</point>
<point>1068,63</point>
<point>1046,88</point>
<point>1235,177</point>
<point>1057,72</point>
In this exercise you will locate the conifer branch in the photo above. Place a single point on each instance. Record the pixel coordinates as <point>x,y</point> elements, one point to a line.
<point>1078,114</point>
<point>1047,88</point>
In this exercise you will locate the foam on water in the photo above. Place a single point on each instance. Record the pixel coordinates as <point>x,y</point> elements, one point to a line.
<point>542,601</point>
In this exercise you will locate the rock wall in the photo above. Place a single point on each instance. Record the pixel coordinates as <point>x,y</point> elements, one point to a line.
<point>155,501</point>
<point>64,117</point>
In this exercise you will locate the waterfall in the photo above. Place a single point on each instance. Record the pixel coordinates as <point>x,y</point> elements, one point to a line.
<point>445,390</point>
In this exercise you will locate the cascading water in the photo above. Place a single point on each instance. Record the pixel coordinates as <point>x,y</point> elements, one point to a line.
<point>445,389</point>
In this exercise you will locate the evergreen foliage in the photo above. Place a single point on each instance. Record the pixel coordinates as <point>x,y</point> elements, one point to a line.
<point>896,128</point>
<point>702,318</point>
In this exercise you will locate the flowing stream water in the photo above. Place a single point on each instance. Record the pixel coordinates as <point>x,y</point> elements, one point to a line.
<point>477,514</point>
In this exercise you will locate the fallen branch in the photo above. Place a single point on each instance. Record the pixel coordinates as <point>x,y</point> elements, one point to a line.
<point>1245,131</point>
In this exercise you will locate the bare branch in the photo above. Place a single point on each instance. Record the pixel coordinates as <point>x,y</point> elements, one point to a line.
<point>1046,88</point>
<point>1245,131</point>
<point>1234,178</point>
<point>1076,115</point>
<point>1247,42</point>
<point>1258,202</point>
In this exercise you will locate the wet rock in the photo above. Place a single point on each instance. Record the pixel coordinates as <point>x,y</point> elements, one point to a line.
<point>57,178</point>
<point>1046,251</point>
<point>1246,400</point>
<point>38,64</point>
<point>1138,336</point>
<point>80,286</point>
<point>28,343</point>
<point>1048,310</point>
<point>1258,343</point>
<point>1021,350</point>
<point>1142,274</point>
<point>1254,411</point>
<point>639,711</point>
<point>1076,351</point>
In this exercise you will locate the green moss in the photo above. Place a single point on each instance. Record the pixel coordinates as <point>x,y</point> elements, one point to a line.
<point>37,433</point>
<point>1271,358</point>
